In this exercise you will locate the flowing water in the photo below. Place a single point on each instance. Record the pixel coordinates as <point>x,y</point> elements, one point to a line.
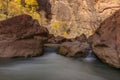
<point>52,66</point>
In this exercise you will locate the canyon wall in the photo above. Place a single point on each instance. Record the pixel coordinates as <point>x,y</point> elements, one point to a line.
<point>74,17</point>
<point>68,18</point>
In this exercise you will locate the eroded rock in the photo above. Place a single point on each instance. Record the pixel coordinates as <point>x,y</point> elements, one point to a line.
<point>20,48</point>
<point>18,37</point>
<point>76,17</point>
<point>106,41</point>
<point>74,49</point>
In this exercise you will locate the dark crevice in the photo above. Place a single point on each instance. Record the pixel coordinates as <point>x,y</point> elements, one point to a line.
<point>45,6</point>
<point>101,45</point>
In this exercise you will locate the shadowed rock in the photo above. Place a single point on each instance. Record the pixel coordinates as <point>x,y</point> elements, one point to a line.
<point>19,37</point>
<point>73,49</point>
<point>76,47</point>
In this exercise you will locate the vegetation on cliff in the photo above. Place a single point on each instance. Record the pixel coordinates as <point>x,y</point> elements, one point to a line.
<point>11,8</point>
<point>68,18</point>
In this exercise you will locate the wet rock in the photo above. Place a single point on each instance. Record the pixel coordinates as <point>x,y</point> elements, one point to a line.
<point>74,49</point>
<point>106,41</point>
<point>20,48</point>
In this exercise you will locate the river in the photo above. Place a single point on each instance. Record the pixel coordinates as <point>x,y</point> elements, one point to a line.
<point>52,66</point>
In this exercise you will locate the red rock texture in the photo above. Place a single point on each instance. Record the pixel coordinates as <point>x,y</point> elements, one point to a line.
<point>106,40</point>
<point>76,47</point>
<point>22,26</point>
<point>18,37</point>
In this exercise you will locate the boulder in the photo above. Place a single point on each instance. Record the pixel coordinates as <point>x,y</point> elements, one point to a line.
<point>106,41</point>
<point>18,37</point>
<point>74,49</point>
<point>20,48</point>
<point>21,27</point>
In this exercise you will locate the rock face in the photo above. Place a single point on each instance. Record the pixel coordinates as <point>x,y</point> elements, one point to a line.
<point>68,18</point>
<point>71,17</point>
<point>75,48</point>
<point>76,17</point>
<point>18,37</point>
<point>105,8</point>
<point>57,40</point>
<point>106,40</point>
<point>81,38</point>
<point>60,39</point>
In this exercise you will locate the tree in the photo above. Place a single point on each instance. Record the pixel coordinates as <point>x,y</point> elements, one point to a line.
<point>10,8</point>
<point>4,7</point>
<point>32,4</point>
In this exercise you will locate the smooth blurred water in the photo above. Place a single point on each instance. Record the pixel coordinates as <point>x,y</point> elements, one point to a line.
<point>52,66</point>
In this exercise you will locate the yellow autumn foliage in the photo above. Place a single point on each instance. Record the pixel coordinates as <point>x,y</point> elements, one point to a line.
<point>31,2</point>
<point>59,28</point>
<point>65,34</point>
<point>56,24</point>
<point>15,7</point>
<point>18,1</point>
<point>11,8</point>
